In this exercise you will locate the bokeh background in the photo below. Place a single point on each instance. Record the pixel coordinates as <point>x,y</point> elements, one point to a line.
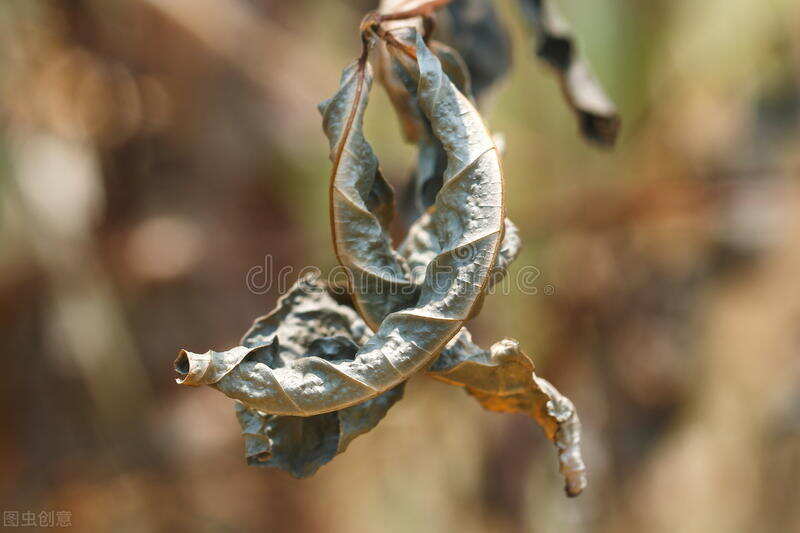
<point>152,152</point>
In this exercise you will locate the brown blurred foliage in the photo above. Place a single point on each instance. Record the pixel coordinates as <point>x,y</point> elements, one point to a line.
<point>152,152</point>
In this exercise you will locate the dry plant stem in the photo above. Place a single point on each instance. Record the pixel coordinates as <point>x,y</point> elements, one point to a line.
<point>392,41</point>
<point>360,72</point>
<point>423,10</point>
<point>373,20</point>
<point>387,37</point>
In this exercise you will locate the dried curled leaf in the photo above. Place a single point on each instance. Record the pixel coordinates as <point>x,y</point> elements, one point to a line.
<point>300,445</point>
<point>468,223</point>
<point>503,379</point>
<point>307,322</point>
<point>401,86</point>
<point>426,179</point>
<point>408,113</point>
<point>412,121</point>
<point>360,200</point>
<point>597,114</point>
<point>311,376</point>
<point>361,240</point>
<point>432,159</point>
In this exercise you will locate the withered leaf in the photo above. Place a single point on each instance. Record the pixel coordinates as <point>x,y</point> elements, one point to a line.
<point>359,196</point>
<point>399,84</point>
<point>405,106</point>
<point>361,239</point>
<point>503,379</point>
<point>306,322</point>
<point>468,223</point>
<point>469,213</point>
<point>597,115</point>
<point>300,445</point>
<point>311,376</point>
<point>432,159</point>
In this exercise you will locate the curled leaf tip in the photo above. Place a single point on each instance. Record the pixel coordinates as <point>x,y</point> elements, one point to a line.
<point>308,327</point>
<point>181,363</point>
<point>567,438</point>
<point>503,379</point>
<point>195,369</point>
<point>190,368</point>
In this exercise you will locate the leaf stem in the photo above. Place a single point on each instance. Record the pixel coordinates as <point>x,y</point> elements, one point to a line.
<point>424,9</point>
<point>391,40</point>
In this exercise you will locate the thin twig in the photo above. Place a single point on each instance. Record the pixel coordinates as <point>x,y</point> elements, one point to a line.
<point>425,9</point>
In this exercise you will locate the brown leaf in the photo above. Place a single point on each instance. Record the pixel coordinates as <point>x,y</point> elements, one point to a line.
<point>503,379</point>
<point>359,197</point>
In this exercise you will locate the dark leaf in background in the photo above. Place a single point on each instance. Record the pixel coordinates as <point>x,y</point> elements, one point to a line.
<point>555,44</point>
<point>474,29</point>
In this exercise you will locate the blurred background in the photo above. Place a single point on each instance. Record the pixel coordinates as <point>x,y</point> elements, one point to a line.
<point>152,152</point>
